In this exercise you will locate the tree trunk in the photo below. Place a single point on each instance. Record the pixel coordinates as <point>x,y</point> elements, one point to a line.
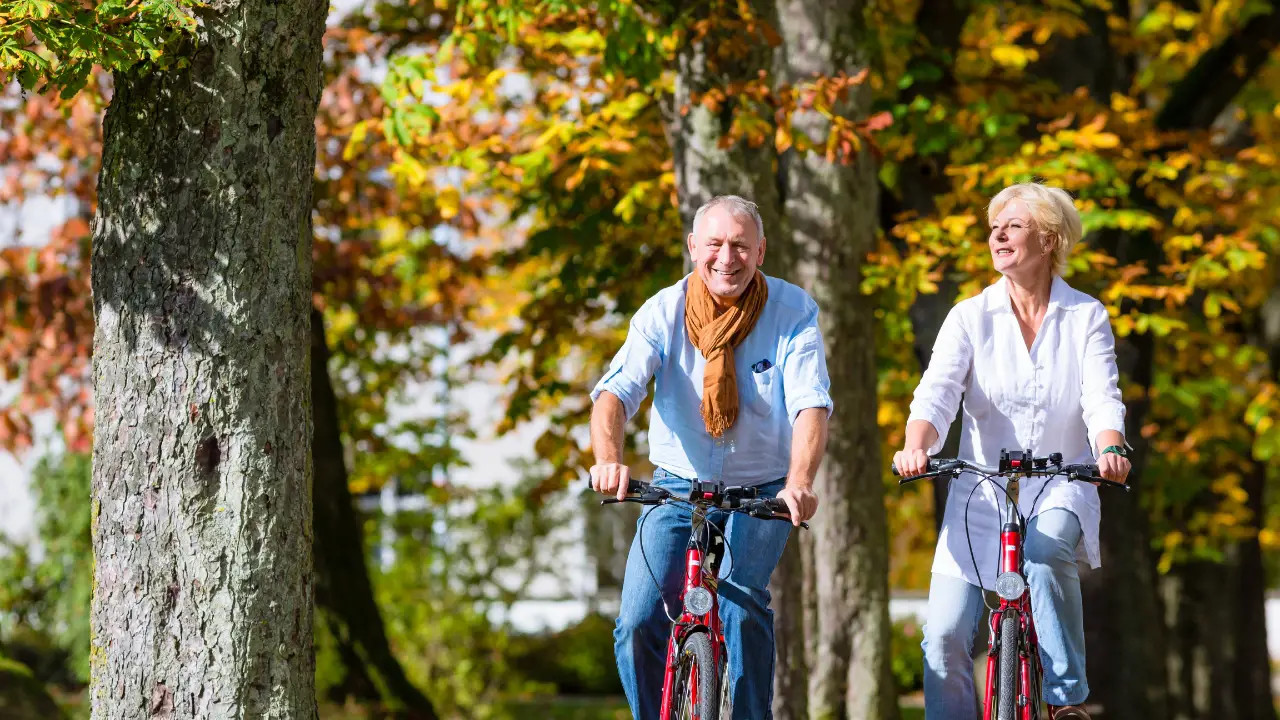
<point>202,603</point>
<point>1127,674</point>
<point>344,595</point>
<point>831,213</point>
<point>703,168</point>
<point>791,678</point>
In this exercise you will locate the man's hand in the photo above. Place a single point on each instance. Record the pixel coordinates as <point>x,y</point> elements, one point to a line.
<point>801,502</point>
<point>1113,467</point>
<point>611,479</point>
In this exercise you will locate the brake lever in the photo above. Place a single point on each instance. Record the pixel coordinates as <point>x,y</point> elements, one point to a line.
<point>652,497</point>
<point>926,476</point>
<point>1101,481</point>
<point>770,515</point>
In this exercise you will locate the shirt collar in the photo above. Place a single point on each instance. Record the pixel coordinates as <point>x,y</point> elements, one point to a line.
<point>998,295</point>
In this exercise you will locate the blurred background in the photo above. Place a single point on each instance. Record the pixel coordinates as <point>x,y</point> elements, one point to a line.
<point>500,185</point>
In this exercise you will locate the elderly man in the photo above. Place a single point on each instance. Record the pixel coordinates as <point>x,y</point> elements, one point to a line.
<point>741,398</point>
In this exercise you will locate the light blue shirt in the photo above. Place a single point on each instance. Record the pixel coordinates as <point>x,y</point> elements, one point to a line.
<point>781,367</point>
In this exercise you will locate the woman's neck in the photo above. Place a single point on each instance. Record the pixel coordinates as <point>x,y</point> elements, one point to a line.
<point>1030,297</point>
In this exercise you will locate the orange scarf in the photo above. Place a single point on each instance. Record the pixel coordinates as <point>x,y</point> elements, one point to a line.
<point>716,336</point>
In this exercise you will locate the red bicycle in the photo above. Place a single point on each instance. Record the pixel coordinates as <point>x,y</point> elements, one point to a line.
<point>693,687</point>
<point>1014,687</point>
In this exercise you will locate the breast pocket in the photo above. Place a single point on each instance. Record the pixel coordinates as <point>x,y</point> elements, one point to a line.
<point>759,391</point>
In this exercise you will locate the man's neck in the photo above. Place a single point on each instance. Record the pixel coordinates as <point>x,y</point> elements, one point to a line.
<point>722,302</point>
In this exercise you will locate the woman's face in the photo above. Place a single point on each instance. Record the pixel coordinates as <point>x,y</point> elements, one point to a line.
<point>1016,246</point>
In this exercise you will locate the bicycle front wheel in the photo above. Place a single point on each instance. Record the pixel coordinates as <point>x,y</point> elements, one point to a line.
<point>697,680</point>
<point>1007,679</point>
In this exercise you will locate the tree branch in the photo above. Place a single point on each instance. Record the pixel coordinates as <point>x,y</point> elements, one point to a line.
<point>1206,90</point>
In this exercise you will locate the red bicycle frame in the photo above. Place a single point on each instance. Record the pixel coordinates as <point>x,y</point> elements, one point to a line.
<point>1028,655</point>
<point>695,575</point>
<point>703,556</point>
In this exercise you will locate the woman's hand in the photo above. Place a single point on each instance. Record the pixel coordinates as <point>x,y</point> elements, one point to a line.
<point>1113,467</point>
<point>910,462</point>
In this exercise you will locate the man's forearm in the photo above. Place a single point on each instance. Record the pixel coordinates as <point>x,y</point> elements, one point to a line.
<point>808,444</point>
<point>608,420</point>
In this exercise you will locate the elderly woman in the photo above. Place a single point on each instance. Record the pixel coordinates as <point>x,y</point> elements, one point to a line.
<point>1035,362</point>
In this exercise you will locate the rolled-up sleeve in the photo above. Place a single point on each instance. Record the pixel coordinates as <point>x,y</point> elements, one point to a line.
<point>937,397</point>
<point>634,365</point>
<point>1100,396</point>
<point>804,368</point>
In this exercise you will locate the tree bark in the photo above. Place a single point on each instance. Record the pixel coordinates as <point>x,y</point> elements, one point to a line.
<point>791,678</point>
<point>703,168</point>
<point>344,595</point>
<point>831,214</point>
<point>202,603</point>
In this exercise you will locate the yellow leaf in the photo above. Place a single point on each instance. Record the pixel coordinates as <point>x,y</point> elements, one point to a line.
<point>1013,56</point>
<point>449,202</point>
<point>1105,140</point>
<point>782,138</point>
<point>358,134</point>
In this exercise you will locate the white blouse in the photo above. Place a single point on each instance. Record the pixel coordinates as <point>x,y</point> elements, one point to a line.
<point>1057,397</point>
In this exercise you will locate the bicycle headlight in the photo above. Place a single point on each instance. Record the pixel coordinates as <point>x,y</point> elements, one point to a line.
<point>698,601</point>
<point>1010,585</point>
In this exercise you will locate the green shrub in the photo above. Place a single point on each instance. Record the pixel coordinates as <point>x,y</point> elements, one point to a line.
<point>577,660</point>
<point>22,696</point>
<point>908,657</point>
<point>47,602</point>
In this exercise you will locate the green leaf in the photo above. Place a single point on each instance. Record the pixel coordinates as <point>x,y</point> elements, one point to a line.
<point>30,9</point>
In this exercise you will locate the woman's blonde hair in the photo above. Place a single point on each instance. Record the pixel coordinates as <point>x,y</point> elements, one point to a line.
<point>1052,211</point>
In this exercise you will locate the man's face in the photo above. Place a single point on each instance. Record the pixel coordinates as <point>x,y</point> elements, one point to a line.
<point>725,252</point>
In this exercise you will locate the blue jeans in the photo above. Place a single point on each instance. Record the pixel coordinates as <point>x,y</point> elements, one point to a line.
<point>956,608</point>
<point>640,638</point>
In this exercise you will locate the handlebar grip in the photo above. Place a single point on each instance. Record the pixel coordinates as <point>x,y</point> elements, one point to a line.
<point>935,464</point>
<point>634,487</point>
<point>777,505</point>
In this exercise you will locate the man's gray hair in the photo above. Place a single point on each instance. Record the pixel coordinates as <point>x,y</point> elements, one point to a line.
<point>739,207</point>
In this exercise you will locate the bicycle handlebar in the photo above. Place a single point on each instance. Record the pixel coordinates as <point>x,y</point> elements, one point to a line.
<point>734,499</point>
<point>1038,467</point>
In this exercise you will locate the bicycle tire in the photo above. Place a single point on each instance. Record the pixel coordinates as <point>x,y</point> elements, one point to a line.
<point>1007,678</point>
<point>1038,709</point>
<point>726,691</point>
<point>696,654</point>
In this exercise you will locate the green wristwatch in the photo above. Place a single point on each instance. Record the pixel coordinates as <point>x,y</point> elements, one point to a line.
<point>1117,449</point>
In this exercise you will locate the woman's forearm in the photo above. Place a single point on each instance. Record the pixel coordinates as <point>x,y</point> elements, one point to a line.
<point>1107,438</point>
<point>921,435</point>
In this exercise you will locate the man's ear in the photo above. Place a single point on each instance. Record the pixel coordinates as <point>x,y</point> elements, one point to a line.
<point>692,250</point>
<point>760,257</point>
